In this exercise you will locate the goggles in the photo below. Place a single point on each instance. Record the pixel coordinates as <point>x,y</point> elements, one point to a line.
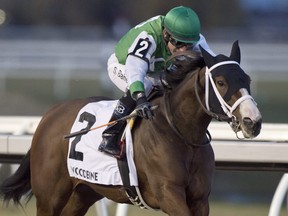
<point>179,44</point>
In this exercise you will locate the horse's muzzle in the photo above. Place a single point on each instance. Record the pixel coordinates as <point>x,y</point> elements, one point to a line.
<point>252,128</point>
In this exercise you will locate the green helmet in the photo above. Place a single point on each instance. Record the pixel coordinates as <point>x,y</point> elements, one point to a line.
<point>183,24</point>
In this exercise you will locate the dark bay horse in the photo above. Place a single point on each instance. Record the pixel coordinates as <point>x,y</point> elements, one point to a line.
<point>173,156</point>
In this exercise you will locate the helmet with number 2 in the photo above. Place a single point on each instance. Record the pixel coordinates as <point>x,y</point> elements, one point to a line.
<point>183,24</point>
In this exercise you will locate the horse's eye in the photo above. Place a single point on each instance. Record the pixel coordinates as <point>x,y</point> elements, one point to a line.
<point>220,83</point>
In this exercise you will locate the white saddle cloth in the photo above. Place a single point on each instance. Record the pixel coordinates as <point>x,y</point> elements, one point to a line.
<point>96,167</point>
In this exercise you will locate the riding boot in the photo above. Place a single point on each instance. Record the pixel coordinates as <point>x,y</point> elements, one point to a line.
<point>111,139</point>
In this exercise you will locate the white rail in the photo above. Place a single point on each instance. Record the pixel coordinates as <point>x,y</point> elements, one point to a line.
<point>279,196</point>
<point>269,147</point>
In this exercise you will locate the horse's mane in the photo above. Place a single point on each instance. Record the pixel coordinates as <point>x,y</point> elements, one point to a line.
<point>180,64</point>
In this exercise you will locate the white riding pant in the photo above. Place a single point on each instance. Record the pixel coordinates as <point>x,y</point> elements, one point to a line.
<point>117,74</point>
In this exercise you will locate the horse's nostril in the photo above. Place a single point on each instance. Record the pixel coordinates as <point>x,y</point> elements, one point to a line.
<point>248,122</point>
<point>257,127</point>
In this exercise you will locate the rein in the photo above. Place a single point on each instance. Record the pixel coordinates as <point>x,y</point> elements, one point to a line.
<point>169,118</point>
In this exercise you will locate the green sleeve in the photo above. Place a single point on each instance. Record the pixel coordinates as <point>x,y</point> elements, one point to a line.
<point>137,86</point>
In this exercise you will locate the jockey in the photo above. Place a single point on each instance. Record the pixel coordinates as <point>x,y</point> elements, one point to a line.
<point>143,51</point>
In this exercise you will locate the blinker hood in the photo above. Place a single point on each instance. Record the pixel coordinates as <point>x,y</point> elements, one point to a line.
<point>236,79</point>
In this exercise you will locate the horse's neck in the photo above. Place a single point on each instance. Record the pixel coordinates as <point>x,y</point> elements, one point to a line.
<point>188,115</point>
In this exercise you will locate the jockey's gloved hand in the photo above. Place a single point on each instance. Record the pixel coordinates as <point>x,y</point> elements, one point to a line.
<point>143,107</point>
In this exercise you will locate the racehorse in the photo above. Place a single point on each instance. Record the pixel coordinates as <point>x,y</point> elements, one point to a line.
<point>172,153</point>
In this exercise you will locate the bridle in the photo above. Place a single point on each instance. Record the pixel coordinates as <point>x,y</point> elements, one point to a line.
<point>227,109</point>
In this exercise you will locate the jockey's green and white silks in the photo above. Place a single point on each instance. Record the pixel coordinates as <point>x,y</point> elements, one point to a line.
<point>134,56</point>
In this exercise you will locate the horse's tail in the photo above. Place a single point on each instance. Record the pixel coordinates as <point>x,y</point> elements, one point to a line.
<point>18,185</point>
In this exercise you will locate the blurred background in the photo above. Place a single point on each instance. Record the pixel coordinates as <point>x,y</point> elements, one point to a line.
<point>52,51</point>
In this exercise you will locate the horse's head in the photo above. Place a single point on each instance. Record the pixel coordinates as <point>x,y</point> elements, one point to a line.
<point>228,92</point>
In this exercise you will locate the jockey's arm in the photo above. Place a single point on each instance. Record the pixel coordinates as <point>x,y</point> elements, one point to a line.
<point>138,61</point>
<point>202,41</point>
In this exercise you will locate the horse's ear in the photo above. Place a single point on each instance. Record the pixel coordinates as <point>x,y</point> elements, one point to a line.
<point>235,52</point>
<point>208,58</point>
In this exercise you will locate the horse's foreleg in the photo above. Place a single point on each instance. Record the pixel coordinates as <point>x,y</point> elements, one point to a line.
<point>200,185</point>
<point>197,198</point>
<point>200,208</point>
<point>80,201</point>
<point>173,201</point>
